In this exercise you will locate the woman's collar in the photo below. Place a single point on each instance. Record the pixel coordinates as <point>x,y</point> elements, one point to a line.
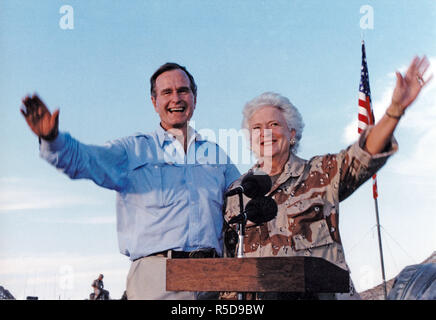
<point>294,167</point>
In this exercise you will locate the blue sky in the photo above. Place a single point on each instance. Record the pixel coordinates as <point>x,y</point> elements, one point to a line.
<point>57,235</point>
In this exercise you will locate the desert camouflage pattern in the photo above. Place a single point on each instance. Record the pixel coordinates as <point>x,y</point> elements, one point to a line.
<point>307,194</point>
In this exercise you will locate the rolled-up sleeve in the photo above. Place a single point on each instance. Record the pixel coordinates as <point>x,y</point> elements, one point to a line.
<point>231,174</point>
<point>358,165</point>
<point>105,165</point>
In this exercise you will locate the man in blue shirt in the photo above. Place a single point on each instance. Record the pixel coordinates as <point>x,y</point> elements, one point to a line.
<point>169,183</point>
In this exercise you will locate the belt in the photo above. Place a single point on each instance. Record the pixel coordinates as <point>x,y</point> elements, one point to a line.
<point>200,253</point>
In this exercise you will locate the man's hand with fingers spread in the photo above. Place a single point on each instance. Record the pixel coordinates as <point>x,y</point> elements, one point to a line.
<point>43,123</point>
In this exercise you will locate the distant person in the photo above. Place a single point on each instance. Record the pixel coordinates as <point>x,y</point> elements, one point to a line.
<point>169,183</point>
<point>99,292</point>
<point>308,192</point>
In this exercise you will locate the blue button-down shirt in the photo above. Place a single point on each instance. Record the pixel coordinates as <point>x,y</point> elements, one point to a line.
<point>166,199</point>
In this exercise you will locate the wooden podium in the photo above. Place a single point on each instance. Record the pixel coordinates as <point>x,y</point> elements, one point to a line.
<point>268,274</point>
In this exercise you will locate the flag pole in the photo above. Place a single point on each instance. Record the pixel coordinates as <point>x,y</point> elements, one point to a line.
<point>366,117</point>
<point>380,249</point>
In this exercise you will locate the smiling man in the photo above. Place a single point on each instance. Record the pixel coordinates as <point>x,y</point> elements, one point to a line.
<point>169,193</point>
<point>174,96</point>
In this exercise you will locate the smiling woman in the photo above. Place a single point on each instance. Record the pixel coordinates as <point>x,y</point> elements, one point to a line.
<point>275,127</point>
<point>308,192</point>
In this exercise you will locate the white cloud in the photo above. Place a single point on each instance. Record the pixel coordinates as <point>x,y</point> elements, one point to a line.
<point>25,194</point>
<point>420,124</point>
<point>350,134</point>
<point>421,117</point>
<point>420,162</point>
<point>110,219</point>
<point>22,264</point>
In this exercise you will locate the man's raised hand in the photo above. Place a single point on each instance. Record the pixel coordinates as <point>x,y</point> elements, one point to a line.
<point>43,123</point>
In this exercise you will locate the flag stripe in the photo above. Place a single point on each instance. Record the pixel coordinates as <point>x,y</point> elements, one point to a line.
<point>363,111</point>
<point>363,118</point>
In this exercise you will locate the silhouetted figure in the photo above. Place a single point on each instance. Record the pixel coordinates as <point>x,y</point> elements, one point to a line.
<point>99,292</point>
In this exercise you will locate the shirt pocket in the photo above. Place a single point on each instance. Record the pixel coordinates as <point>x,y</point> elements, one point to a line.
<point>145,188</point>
<point>310,229</point>
<point>210,182</point>
<point>173,183</point>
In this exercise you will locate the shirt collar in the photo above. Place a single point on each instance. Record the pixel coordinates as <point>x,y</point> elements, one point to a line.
<point>163,135</point>
<point>294,167</point>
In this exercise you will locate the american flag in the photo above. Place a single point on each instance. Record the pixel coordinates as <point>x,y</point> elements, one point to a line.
<point>366,115</point>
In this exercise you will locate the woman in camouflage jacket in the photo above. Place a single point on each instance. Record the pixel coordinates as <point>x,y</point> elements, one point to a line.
<point>308,192</point>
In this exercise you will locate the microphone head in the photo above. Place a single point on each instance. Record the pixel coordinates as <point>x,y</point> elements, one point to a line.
<point>256,185</point>
<point>261,209</point>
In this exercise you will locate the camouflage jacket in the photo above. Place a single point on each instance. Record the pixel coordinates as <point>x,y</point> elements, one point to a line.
<point>307,194</point>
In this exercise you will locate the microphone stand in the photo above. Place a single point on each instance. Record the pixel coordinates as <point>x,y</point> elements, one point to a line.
<point>241,234</point>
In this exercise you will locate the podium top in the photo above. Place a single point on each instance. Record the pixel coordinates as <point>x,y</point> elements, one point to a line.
<point>266,274</point>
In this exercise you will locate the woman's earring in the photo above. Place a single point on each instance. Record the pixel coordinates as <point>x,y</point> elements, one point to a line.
<point>293,141</point>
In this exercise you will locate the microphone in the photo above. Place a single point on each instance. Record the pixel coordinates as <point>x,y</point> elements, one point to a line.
<point>258,210</point>
<point>253,185</point>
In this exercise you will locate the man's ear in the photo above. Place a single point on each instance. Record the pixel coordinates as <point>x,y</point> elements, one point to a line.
<point>153,100</point>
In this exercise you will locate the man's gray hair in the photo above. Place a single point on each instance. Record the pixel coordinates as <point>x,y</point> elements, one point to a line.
<point>291,114</point>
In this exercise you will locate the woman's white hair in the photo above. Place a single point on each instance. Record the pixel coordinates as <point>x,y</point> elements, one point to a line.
<point>291,114</point>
